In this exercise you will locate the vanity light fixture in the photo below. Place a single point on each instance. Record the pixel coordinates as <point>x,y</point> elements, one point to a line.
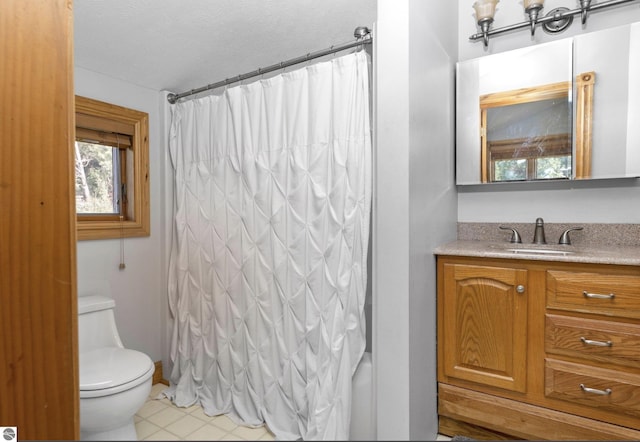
<point>485,10</point>
<point>533,7</point>
<point>557,20</point>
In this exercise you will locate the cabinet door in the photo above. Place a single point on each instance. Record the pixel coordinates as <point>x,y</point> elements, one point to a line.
<point>485,325</point>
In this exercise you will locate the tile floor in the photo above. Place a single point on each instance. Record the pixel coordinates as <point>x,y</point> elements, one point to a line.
<point>159,419</point>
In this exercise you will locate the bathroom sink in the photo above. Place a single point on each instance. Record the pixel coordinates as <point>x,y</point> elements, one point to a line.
<point>547,250</point>
<point>553,252</point>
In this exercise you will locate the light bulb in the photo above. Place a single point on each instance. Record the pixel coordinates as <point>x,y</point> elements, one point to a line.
<point>529,3</point>
<point>485,9</point>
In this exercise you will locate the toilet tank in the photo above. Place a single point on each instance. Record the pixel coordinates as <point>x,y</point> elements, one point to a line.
<point>96,323</point>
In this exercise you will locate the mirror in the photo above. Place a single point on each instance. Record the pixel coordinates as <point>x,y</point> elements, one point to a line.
<point>525,134</point>
<point>614,55</point>
<point>523,116</point>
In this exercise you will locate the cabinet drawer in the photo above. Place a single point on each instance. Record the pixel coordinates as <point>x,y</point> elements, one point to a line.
<point>602,389</point>
<point>594,340</point>
<point>600,293</point>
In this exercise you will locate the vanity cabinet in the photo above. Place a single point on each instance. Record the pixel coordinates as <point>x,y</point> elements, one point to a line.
<point>538,349</point>
<point>485,335</point>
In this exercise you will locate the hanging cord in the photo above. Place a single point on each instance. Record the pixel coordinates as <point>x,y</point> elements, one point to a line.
<point>122,264</point>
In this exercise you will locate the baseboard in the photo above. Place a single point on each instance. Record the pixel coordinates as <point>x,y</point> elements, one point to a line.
<point>158,378</point>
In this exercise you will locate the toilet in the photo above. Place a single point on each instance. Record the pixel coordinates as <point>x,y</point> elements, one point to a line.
<point>114,381</point>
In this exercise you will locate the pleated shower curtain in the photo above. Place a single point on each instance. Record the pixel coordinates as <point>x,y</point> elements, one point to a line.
<point>268,261</point>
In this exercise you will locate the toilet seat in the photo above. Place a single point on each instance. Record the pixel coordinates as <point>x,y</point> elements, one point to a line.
<point>110,370</point>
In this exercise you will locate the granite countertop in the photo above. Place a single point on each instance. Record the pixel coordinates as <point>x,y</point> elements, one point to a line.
<point>617,254</point>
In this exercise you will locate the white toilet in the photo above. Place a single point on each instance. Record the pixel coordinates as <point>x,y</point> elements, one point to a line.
<point>114,381</point>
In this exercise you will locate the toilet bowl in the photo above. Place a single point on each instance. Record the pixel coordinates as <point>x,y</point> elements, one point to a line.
<point>114,381</point>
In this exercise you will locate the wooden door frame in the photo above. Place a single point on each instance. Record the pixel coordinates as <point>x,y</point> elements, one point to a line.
<point>38,288</point>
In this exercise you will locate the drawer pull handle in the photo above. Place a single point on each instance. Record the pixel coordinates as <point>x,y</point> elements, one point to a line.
<point>598,295</point>
<point>606,392</point>
<point>596,343</point>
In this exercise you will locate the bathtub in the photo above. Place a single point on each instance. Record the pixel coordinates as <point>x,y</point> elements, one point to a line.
<point>362,427</point>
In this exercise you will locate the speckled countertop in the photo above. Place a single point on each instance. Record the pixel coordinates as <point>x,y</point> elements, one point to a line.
<point>597,243</point>
<point>621,255</point>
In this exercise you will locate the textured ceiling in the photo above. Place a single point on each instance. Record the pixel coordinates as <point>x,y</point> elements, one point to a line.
<point>178,45</point>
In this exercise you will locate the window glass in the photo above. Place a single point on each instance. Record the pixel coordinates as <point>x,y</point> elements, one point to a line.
<point>97,179</point>
<point>549,168</point>
<point>510,170</point>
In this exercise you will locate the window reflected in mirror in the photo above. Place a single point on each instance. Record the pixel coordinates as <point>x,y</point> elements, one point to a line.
<point>526,134</point>
<point>584,123</point>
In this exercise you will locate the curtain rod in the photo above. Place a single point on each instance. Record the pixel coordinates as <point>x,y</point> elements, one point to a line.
<point>362,34</point>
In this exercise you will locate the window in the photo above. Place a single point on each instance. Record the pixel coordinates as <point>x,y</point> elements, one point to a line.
<point>544,157</point>
<point>112,170</point>
<point>526,134</point>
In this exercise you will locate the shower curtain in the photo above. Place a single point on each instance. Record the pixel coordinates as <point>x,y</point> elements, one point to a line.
<point>268,261</point>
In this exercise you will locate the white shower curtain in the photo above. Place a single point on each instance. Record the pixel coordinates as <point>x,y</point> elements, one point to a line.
<point>268,262</point>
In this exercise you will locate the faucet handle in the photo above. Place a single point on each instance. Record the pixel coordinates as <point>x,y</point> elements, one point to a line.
<point>564,238</point>
<point>515,236</point>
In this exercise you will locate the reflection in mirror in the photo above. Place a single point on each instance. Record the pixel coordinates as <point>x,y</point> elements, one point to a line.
<point>526,134</point>
<point>494,143</point>
<point>632,163</point>
<point>614,55</point>
<point>604,104</point>
<point>584,86</point>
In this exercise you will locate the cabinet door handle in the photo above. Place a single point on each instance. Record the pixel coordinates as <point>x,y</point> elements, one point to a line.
<point>596,343</point>
<point>606,392</point>
<point>520,289</point>
<point>598,295</point>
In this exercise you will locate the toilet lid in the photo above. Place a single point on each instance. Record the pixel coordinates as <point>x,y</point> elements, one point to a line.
<point>111,366</point>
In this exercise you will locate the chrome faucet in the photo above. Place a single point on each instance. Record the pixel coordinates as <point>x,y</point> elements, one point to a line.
<point>538,235</point>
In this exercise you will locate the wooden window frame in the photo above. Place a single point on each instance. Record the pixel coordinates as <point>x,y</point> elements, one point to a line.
<point>583,119</point>
<point>117,119</point>
<point>585,83</point>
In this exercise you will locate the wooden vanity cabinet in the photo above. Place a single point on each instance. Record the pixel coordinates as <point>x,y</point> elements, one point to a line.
<point>485,335</point>
<point>531,349</point>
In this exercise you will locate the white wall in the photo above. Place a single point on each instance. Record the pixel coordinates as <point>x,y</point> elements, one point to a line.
<point>595,201</point>
<point>433,198</point>
<point>140,289</point>
<point>391,222</point>
<point>414,206</point>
